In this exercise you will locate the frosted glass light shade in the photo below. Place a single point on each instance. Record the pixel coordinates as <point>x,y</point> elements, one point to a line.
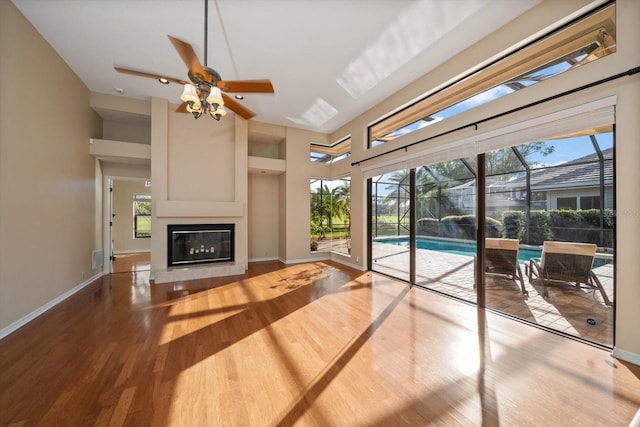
<point>218,113</point>
<point>189,93</point>
<point>194,106</point>
<point>215,98</point>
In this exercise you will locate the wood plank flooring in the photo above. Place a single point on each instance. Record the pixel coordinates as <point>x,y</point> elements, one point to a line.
<point>136,261</point>
<point>313,344</point>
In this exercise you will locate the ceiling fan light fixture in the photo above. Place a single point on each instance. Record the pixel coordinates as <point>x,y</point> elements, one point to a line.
<point>195,108</point>
<point>215,98</point>
<point>189,94</point>
<point>218,113</point>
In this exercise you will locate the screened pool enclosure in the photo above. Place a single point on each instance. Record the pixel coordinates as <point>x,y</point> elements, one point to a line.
<point>558,189</point>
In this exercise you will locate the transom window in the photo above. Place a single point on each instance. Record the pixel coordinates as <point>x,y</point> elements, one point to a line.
<point>331,153</point>
<point>584,42</point>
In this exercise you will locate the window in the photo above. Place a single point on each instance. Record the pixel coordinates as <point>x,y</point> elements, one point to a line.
<point>570,203</point>
<point>590,202</point>
<point>581,43</point>
<point>331,215</point>
<point>331,153</point>
<point>141,215</point>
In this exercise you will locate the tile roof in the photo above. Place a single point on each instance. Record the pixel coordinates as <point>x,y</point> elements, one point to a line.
<point>584,171</point>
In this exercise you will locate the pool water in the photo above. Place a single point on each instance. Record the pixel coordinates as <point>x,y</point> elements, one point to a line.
<point>465,248</point>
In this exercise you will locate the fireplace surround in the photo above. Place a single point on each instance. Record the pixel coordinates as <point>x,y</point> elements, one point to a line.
<point>197,244</point>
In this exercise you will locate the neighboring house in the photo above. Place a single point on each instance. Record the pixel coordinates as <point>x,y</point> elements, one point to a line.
<point>571,185</point>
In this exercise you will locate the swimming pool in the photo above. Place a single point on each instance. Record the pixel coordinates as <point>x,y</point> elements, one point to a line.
<point>465,248</point>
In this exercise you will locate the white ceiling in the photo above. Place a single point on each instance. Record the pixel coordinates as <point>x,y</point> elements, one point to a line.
<point>328,60</point>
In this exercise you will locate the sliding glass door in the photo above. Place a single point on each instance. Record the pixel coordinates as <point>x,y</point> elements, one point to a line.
<point>548,209</point>
<point>390,223</point>
<point>446,227</point>
<point>555,199</point>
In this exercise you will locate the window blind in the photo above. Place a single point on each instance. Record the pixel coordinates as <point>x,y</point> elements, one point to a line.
<point>592,115</point>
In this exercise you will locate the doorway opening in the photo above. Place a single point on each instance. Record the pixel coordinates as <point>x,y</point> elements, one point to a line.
<point>129,224</point>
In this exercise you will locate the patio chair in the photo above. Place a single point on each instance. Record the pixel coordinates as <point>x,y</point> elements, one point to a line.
<point>566,262</point>
<point>501,257</point>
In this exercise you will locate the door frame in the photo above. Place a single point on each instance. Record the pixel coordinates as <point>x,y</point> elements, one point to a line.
<point>107,210</point>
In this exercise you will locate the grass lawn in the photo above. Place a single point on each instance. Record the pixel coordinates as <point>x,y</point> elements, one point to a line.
<point>143,226</point>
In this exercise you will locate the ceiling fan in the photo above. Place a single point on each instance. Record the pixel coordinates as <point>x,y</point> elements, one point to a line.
<point>204,93</point>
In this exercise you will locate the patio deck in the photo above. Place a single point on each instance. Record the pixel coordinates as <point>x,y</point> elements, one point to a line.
<point>579,312</point>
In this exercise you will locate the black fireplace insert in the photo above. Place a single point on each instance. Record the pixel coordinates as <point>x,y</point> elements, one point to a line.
<point>191,244</point>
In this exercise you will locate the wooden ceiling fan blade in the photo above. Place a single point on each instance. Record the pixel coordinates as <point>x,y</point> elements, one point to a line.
<point>240,110</point>
<point>148,75</point>
<point>182,108</point>
<point>189,57</point>
<point>246,86</point>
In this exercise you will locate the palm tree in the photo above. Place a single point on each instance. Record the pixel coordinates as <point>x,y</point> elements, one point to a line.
<point>327,204</point>
<point>319,209</point>
<point>341,197</point>
<point>397,198</point>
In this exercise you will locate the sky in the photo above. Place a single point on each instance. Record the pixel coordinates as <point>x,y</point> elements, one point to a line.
<point>573,148</point>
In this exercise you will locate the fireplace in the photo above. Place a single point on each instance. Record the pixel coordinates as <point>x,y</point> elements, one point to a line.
<point>194,244</point>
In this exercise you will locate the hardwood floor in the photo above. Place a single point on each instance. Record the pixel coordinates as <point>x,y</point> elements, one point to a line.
<point>126,263</point>
<point>311,344</point>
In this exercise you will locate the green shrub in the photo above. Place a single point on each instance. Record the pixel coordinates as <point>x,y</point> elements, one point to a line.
<point>492,227</point>
<point>539,229</point>
<point>591,217</point>
<point>582,226</point>
<point>561,225</point>
<point>428,227</point>
<point>567,225</point>
<point>464,227</point>
<point>609,218</point>
<point>458,227</point>
<point>513,224</point>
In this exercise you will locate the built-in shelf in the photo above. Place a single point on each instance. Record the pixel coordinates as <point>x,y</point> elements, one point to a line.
<point>118,151</point>
<point>266,166</point>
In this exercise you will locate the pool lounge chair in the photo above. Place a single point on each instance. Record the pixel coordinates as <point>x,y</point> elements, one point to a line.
<point>501,257</point>
<point>566,262</point>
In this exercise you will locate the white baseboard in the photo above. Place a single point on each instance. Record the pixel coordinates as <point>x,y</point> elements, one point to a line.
<point>349,264</point>
<point>302,260</point>
<point>625,355</point>
<point>328,257</point>
<point>275,258</point>
<point>635,422</point>
<point>29,317</point>
<point>131,251</point>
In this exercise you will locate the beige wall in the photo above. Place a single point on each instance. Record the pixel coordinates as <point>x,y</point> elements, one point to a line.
<point>127,132</point>
<point>201,159</point>
<point>294,231</point>
<point>122,206</point>
<point>48,192</point>
<point>263,217</point>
